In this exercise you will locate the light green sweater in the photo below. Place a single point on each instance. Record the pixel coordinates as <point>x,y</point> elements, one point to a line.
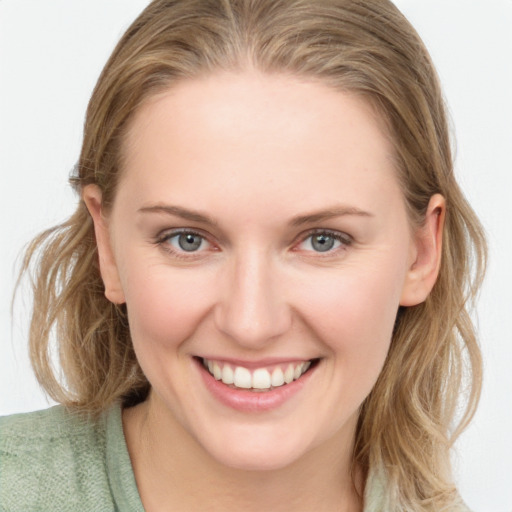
<point>55,461</point>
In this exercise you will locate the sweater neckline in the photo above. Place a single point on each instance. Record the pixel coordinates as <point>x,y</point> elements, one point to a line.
<point>119,466</point>
<point>122,478</point>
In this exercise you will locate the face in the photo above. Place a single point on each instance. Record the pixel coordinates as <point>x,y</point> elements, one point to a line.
<point>259,234</point>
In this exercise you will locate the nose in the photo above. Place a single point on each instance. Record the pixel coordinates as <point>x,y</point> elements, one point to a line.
<point>252,309</point>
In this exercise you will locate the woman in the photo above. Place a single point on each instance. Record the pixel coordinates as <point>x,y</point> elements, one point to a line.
<point>262,294</point>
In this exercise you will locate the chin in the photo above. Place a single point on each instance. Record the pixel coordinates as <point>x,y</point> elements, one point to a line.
<point>256,452</point>
<point>252,460</point>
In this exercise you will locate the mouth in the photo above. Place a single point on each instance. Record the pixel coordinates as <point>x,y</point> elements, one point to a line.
<point>260,379</point>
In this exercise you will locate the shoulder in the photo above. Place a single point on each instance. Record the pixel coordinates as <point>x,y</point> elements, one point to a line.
<point>376,496</point>
<point>53,460</point>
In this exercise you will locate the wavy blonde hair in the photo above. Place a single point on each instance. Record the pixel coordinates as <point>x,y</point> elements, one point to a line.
<point>406,425</point>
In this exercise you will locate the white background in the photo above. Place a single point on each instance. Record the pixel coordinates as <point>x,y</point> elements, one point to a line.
<point>51,53</point>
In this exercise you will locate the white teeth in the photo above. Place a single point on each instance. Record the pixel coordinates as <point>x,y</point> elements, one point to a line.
<point>277,377</point>
<point>261,379</point>
<point>217,372</point>
<point>288,374</point>
<point>227,374</point>
<point>242,378</point>
<point>298,371</point>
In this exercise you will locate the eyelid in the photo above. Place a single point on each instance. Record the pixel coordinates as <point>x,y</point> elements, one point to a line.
<point>167,234</point>
<point>344,238</point>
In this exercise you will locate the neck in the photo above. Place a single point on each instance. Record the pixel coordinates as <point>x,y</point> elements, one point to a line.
<point>174,472</point>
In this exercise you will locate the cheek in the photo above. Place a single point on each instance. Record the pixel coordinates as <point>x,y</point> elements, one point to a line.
<point>354,315</point>
<point>164,306</point>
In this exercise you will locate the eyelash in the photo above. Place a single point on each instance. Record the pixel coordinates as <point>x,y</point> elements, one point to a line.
<point>344,239</point>
<point>162,241</point>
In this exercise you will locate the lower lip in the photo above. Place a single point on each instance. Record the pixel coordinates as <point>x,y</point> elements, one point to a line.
<point>252,401</point>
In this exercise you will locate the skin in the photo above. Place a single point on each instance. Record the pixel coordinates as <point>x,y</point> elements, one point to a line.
<point>255,154</point>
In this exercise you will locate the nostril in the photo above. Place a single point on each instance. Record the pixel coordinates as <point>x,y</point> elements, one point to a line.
<point>251,309</point>
<point>252,327</point>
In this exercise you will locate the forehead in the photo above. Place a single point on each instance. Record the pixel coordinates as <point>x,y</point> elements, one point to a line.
<point>268,101</point>
<point>251,133</point>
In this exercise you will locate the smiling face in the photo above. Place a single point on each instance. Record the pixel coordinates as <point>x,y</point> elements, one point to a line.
<point>258,234</point>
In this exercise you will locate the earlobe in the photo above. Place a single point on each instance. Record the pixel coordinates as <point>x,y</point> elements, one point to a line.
<point>424,269</point>
<point>92,198</point>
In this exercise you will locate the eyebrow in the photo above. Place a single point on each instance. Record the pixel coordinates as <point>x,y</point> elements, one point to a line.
<point>178,211</point>
<point>330,213</point>
<point>309,218</point>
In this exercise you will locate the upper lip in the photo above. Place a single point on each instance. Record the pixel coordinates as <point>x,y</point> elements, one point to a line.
<point>259,363</point>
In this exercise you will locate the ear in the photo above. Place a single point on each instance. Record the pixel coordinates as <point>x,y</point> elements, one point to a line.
<point>92,197</point>
<point>426,254</point>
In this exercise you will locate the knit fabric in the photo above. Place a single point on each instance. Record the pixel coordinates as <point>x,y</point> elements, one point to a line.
<point>53,460</point>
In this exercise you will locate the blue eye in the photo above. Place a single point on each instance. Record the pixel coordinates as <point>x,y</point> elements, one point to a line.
<point>324,241</point>
<point>187,241</point>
